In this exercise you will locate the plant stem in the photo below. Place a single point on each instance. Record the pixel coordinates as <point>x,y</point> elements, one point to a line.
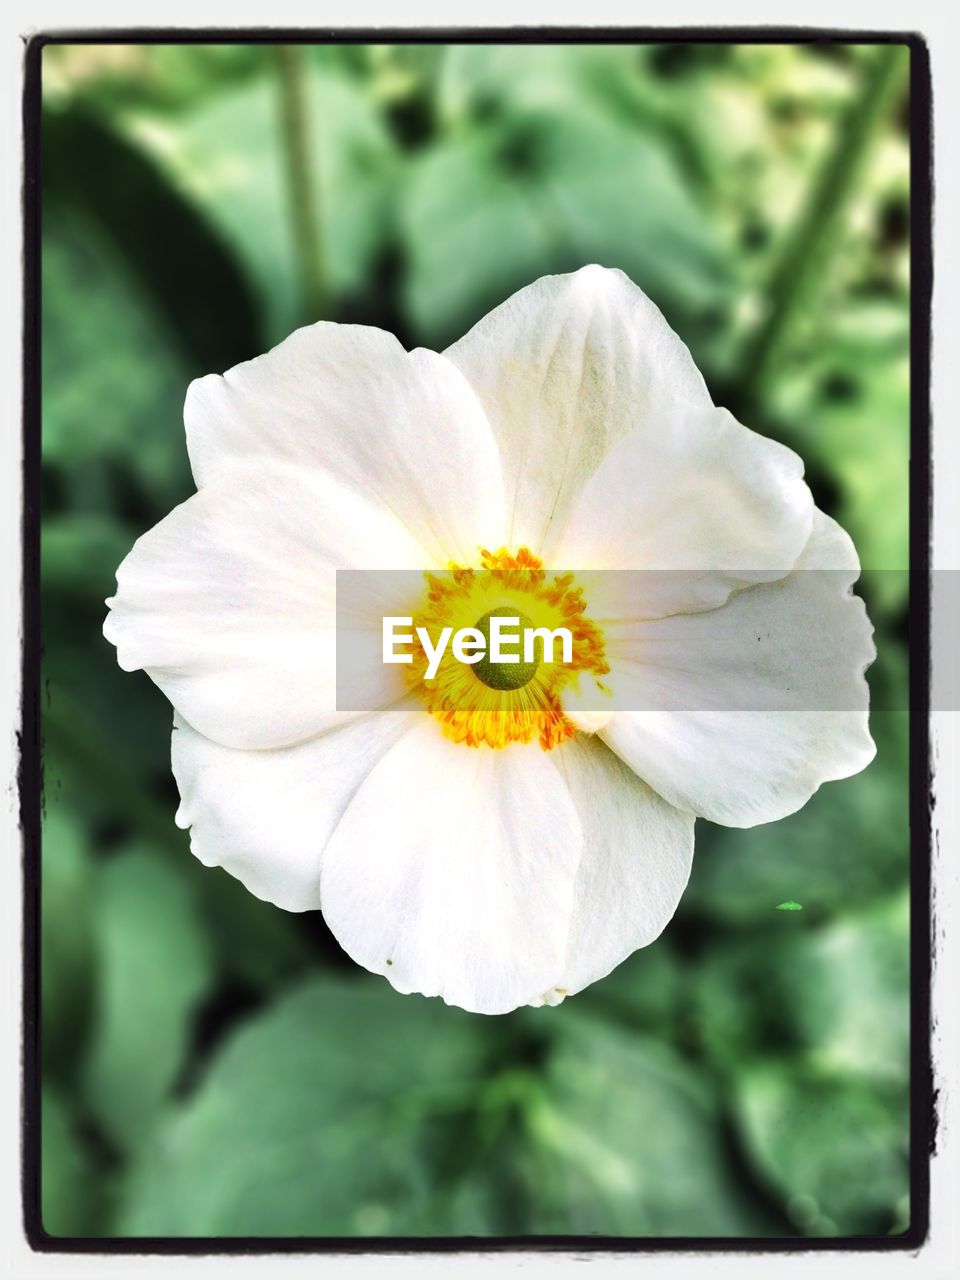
<point>807,250</point>
<point>301,186</point>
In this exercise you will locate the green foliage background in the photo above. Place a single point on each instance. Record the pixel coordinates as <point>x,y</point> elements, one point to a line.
<point>213,1066</point>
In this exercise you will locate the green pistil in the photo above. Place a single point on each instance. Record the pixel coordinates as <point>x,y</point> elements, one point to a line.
<point>505,675</point>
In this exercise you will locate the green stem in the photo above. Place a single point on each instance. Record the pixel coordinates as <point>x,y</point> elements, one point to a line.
<point>301,186</point>
<point>806,251</point>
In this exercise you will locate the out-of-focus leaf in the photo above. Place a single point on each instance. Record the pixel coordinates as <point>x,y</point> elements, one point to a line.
<point>172,258</point>
<point>849,412</point>
<point>631,1143</point>
<point>85,691</point>
<point>867,331</point>
<point>154,966</point>
<point>647,990</point>
<point>113,385</point>
<point>80,554</point>
<point>228,157</point>
<point>72,1195</point>
<point>85,688</point>
<point>491,208</point>
<point>311,1121</point>
<point>848,844</point>
<point>848,992</point>
<point>111,77</point>
<point>473,235</point>
<point>67,940</point>
<point>834,996</point>
<point>482,81</point>
<point>739,1010</point>
<point>255,942</point>
<point>833,1151</point>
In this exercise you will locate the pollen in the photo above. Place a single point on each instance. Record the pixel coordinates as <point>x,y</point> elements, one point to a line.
<point>494,704</point>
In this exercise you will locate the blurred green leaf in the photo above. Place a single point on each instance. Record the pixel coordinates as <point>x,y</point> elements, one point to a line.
<point>67,959</point>
<point>154,966</point>
<point>170,77</point>
<point>480,82</point>
<point>833,1151</point>
<point>632,1143</point>
<point>80,554</point>
<point>172,259</point>
<point>311,1120</point>
<point>486,82</point>
<point>867,331</point>
<point>739,1012</point>
<point>848,410</point>
<point>85,689</point>
<point>848,844</point>
<point>227,156</point>
<point>113,384</point>
<point>72,1193</point>
<point>473,234</point>
<point>847,989</point>
<point>255,942</point>
<point>490,209</point>
<point>645,991</point>
<point>834,996</point>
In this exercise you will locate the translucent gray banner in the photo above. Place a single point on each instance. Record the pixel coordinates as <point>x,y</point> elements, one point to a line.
<point>640,640</point>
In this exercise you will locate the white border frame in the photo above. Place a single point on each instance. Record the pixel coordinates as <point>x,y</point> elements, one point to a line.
<point>939,1258</point>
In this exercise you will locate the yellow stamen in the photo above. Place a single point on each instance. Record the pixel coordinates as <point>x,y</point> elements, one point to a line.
<point>470,709</point>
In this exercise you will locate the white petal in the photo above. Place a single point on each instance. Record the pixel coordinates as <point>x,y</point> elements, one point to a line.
<point>563,369</point>
<point>637,854</point>
<point>791,653</point>
<point>696,503</point>
<point>266,816</point>
<point>403,427</point>
<point>452,871</point>
<point>229,603</point>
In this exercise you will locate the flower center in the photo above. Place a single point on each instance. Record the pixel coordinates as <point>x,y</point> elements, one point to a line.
<point>493,702</point>
<point>504,675</point>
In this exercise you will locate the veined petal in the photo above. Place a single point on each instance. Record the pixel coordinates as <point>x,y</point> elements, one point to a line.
<point>696,503</point>
<point>564,369</point>
<point>452,871</point>
<point>637,854</point>
<point>404,428</point>
<point>266,816</point>
<point>229,603</point>
<point>750,707</point>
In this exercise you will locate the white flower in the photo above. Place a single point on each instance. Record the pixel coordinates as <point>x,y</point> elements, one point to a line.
<point>506,851</point>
